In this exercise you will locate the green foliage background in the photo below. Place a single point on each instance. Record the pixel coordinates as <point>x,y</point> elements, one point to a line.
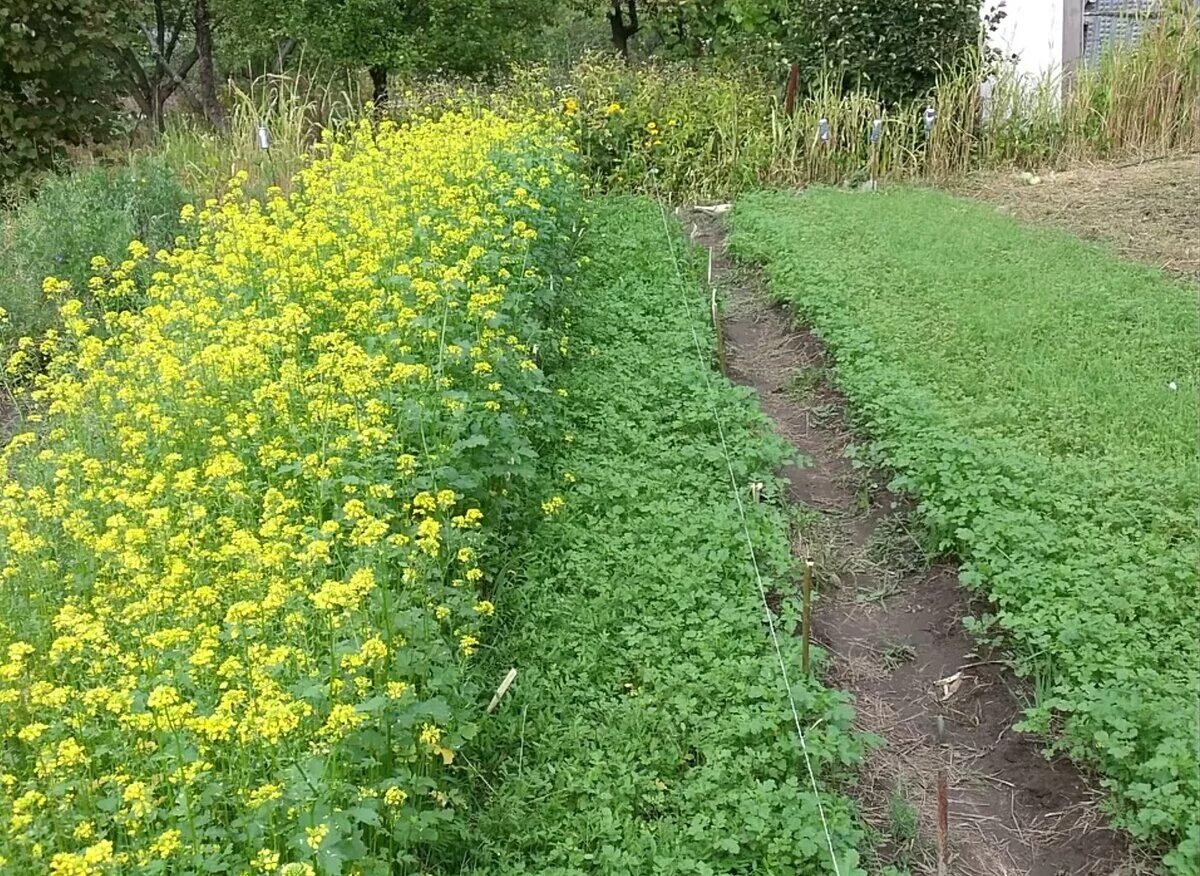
<point>55,85</point>
<point>433,36</point>
<point>896,48</point>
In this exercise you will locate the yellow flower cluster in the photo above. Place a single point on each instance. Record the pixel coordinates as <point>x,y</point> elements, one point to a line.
<point>239,541</point>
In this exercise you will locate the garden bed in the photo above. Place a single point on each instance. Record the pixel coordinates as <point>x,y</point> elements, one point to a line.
<point>1038,397</point>
<point>649,730</point>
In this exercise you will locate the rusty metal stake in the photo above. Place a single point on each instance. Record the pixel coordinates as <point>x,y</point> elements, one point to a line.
<point>793,86</point>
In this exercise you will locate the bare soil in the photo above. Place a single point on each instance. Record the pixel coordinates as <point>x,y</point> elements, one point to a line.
<point>890,621</point>
<point>1148,211</point>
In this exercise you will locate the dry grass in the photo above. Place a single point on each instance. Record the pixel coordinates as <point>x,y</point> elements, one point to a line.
<point>1149,212</point>
<point>293,108</point>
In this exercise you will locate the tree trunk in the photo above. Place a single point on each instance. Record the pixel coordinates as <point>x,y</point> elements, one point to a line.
<point>793,85</point>
<point>158,100</point>
<point>379,87</point>
<point>283,51</point>
<point>621,41</point>
<point>624,23</point>
<point>208,79</point>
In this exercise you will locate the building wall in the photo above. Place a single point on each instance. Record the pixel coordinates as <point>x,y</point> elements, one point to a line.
<point>1033,31</point>
<point>1109,22</point>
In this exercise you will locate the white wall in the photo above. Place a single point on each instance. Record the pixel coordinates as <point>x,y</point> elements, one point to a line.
<point>1033,31</point>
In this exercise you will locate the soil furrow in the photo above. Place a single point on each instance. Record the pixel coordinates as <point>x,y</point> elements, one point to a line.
<point>891,622</point>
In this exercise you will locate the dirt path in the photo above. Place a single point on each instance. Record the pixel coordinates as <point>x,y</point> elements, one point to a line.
<point>891,622</point>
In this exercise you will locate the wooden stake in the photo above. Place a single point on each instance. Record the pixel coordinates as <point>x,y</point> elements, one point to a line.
<point>943,803</point>
<point>720,332</point>
<point>793,85</point>
<point>502,690</point>
<point>806,616</point>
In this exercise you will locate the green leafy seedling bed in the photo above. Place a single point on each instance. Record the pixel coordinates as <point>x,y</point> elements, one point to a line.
<point>648,731</point>
<point>1039,397</point>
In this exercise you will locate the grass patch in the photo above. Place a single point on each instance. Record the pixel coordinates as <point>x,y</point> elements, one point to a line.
<point>806,381</point>
<point>897,654</point>
<point>1039,398</point>
<point>903,821</point>
<point>648,731</point>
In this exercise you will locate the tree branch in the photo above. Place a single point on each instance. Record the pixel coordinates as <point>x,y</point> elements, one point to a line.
<point>283,52</point>
<point>160,23</point>
<point>177,78</point>
<point>140,85</point>
<point>175,32</point>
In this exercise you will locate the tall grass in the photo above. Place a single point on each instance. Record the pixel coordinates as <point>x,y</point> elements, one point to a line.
<point>292,107</point>
<point>1139,99</point>
<point>1144,98</point>
<point>717,131</point>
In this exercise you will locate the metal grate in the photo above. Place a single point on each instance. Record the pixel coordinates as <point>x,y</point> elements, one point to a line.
<point>1109,21</point>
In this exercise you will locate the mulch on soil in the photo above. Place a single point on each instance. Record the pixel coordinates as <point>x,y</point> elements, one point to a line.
<point>1149,211</point>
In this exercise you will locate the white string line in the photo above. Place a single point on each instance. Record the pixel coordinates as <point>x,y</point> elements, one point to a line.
<point>762,590</point>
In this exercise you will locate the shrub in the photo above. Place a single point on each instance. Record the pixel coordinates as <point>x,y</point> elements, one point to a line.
<point>690,126</point>
<point>685,130</point>
<point>242,550</point>
<point>55,87</point>
<point>90,212</point>
<point>894,48</point>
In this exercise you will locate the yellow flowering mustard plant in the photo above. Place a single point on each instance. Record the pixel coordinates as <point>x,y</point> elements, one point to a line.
<point>243,546</point>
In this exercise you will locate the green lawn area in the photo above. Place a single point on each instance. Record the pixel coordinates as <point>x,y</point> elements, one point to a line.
<point>1039,397</point>
<point>649,731</point>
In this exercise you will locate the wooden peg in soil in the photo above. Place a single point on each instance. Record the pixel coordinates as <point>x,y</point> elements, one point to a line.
<point>502,690</point>
<point>943,803</point>
<point>719,330</point>
<point>806,615</point>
